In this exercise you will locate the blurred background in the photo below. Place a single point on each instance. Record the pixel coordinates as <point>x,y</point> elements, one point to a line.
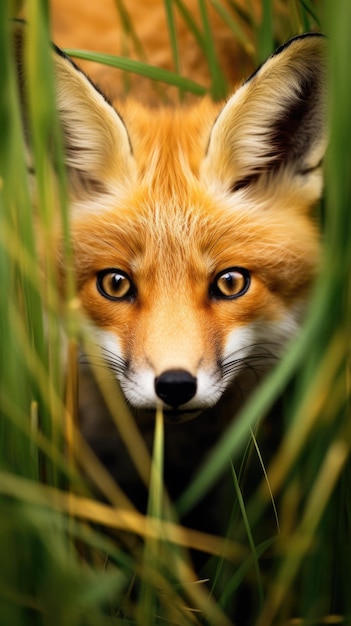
<point>285,558</point>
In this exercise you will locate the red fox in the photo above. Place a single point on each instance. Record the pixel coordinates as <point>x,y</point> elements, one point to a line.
<point>194,237</point>
<point>192,229</point>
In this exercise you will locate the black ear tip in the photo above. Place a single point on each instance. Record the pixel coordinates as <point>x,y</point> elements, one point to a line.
<point>297,38</point>
<point>283,47</point>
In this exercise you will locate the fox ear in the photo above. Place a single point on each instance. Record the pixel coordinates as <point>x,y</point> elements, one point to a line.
<point>96,143</point>
<point>275,123</point>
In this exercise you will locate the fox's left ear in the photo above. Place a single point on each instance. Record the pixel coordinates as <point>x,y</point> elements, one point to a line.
<point>275,123</point>
<point>97,149</point>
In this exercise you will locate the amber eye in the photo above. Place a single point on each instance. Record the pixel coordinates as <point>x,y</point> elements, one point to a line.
<point>115,284</point>
<point>231,283</point>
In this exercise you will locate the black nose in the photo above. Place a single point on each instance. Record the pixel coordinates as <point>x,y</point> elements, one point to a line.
<point>175,387</point>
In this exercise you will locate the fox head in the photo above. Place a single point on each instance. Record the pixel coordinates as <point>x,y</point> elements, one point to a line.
<point>194,239</point>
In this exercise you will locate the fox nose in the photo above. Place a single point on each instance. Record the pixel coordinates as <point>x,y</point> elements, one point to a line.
<point>175,387</point>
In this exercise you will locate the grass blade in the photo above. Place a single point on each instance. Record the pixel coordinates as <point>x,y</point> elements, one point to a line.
<point>140,67</point>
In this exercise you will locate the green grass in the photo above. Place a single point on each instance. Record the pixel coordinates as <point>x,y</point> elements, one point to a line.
<point>58,566</point>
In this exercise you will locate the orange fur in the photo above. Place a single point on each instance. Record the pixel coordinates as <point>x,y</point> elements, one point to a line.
<point>180,203</point>
<point>195,245</point>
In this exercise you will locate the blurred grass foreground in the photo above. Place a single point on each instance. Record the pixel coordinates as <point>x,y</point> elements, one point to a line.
<point>59,562</point>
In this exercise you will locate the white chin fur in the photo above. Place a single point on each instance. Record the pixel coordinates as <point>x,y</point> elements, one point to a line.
<point>257,345</point>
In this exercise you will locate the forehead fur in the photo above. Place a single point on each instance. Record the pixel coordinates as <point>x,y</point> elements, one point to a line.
<point>197,237</point>
<point>175,220</point>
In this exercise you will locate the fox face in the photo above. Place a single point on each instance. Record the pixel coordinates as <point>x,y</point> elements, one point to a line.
<point>203,295</point>
<point>194,240</point>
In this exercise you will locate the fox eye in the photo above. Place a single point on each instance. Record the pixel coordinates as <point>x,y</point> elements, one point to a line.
<point>115,284</point>
<point>231,283</point>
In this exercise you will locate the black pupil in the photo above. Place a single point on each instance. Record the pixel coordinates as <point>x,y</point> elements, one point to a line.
<point>116,282</point>
<point>229,281</point>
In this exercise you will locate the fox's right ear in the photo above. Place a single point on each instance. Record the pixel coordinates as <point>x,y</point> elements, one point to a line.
<point>274,126</point>
<point>98,153</point>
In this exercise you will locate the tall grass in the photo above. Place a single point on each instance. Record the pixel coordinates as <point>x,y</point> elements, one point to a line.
<point>286,558</point>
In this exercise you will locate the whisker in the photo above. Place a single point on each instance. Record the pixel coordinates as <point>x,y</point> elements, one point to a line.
<point>108,360</point>
<point>256,362</point>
